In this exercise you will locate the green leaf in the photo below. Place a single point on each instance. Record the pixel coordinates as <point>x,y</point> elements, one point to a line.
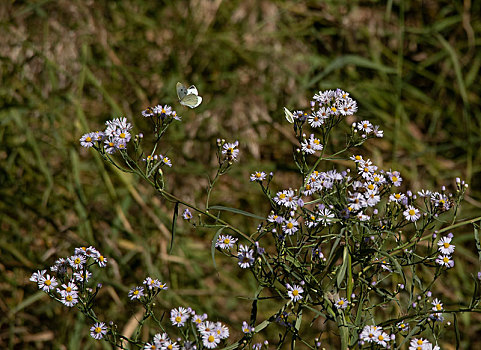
<point>174,219</point>
<point>478,242</point>
<point>342,270</point>
<point>236,211</point>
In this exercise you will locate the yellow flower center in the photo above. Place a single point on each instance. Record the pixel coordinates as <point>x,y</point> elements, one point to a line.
<point>88,139</point>
<point>258,175</point>
<point>438,307</point>
<point>211,338</point>
<point>68,298</point>
<point>290,225</point>
<point>48,282</point>
<point>333,109</point>
<point>394,178</point>
<point>77,260</point>
<point>136,292</point>
<point>227,241</point>
<point>178,319</point>
<point>341,302</point>
<point>282,196</point>
<point>295,292</point>
<point>446,245</point>
<point>411,212</point>
<point>101,258</point>
<point>98,329</point>
<point>397,196</point>
<point>122,135</point>
<point>381,338</point>
<point>69,289</point>
<point>358,157</point>
<point>370,186</point>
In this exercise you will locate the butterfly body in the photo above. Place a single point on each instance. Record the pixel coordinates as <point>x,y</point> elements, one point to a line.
<point>188,96</point>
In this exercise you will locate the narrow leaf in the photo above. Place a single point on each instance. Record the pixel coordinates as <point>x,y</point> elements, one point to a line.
<point>236,211</point>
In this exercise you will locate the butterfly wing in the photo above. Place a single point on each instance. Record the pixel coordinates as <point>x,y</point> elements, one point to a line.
<point>191,101</point>
<point>192,90</point>
<point>181,91</point>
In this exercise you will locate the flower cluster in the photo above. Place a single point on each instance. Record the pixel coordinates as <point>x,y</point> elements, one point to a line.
<point>161,112</point>
<point>72,275</point>
<point>115,137</point>
<point>208,332</point>
<point>445,249</point>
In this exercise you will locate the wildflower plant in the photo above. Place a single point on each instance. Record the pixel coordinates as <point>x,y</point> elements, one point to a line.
<point>344,246</point>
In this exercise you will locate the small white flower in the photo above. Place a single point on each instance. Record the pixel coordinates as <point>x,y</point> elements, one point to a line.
<point>136,293</point>
<point>341,303</point>
<point>411,213</point>
<point>225,242</point>
<point>445,260</point>
<point>258,176</point>
<point>98,330</point>
<point>294,292</point>
<point>437,305</point>
<point>445,246</point>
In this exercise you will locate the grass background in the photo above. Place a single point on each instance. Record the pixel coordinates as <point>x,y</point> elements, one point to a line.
<point>68,66</point>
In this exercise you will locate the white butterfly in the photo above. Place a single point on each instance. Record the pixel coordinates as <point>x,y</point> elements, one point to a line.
<point>188,96</point>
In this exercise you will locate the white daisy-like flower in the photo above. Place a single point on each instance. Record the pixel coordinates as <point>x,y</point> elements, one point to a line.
<point>325,216</point>
<point>437,305</point>
<point>69,299</point>
<point>160,339</point>
<point>77,261</point>
<point>210,341</point>
<point>136,293</point>
<point>403,326</point>
<point>151,283</point>
<point>47,283</point>
<point>225,241</point>
<point>87,140</point>
<point>68,288</point>
<point>445,246</point>
<point>411,213</point>
<point>397,197</point>
<point>101,260</point>
<point>245,257</point>
<point>418,344</point>
<point>294,292</point>
<point>179,316</point>
<point>445,260</point>
<point>382,339</point>
<point>230,150</point>
<point>186,215</point>
<point>341,303</point>
<point>221,330</point>
<point>357,158</point>
<point>258,176</point>
<point>109,145</point>
<point>370,333</point>
<point>165,160</point>
<point>290,227</point>
<point>98,330</point>
<point>198,319</point>
<point>365,126</point>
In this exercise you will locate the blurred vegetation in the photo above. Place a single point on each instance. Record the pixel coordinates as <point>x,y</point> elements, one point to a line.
<point>68,66</point>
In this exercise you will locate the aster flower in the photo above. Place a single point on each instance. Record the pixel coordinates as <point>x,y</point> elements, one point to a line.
<point>101,260</point>
<point>230,150</point>
<point>258,176</point>
<point>47,283</point>
<point>246,328</point>
<point>294,292</point>
<point>445,246</point>
<point>325,216</point>
<point>403,326</point>
<point>69,299</point>
<point>245,257</point>
<point>225,241</point>
<point>98,330</point>
<point>365,126</point>
<point>411,213</point>
<point>165,160</point>
<point>341,303</point>
<point>418,344</point>
<point>179,316</point>
<point>290,226</point>
<point>87,140</point>
<point>136,293</point>
<point>370,333</point>
<point>210,340</point>
<point>382,339</point>
<point>397,197</point>
<point>186,215</point>
<point>198,319</point>
<point>151,283</point>
<point>445,260</point>
<point>77,261</point>
<point>437,305</point>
